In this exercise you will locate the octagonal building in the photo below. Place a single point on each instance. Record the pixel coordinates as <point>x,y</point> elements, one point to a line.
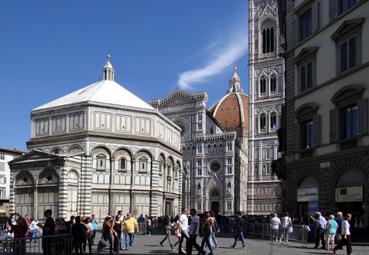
<point>96,150</point>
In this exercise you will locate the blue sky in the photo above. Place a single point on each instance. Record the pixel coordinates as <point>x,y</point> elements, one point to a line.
<point>50,48</point>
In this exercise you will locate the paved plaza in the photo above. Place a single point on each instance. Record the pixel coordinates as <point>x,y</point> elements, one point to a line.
<point>150,245</point>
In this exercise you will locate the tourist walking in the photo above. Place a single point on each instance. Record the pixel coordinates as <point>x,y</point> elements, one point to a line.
<point>183,227</point>
<point>130,226</point>
<point>207,229</point>
<point>107,234</point>
<point>238,231</point>
<point>275,222</point>
<point>339,218</point>
<point>33,228</point>
<point>47,230</point>
<point>94,228</point>
<point>286,224</point>
<point>346,236</point>
<point>331,233</point>
<point>167,227</point>
<point>69,224</point>
<point>215,230</point>
<point>320,226</point>
<point>194,232</point>
<point>118,230</point>
<point>79,234</point>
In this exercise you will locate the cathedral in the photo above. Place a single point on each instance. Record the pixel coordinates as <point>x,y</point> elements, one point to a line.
<point>97,150</point>
<point>266,92</point>
<point>214,147</point>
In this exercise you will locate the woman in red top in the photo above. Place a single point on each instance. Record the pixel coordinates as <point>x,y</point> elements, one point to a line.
<point>20,231</point>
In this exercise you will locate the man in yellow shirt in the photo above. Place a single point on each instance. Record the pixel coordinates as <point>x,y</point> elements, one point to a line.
<point>130,227</point>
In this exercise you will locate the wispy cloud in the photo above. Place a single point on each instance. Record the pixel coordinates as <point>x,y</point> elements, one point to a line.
<point>223,54</point>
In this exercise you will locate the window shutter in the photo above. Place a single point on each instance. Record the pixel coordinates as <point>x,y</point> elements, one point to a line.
<point>363,116</point>
<point>315,16</point>
<point>333,123</point>
<point>316,130</point>
<point>332,9</point>
<point>295,33</point>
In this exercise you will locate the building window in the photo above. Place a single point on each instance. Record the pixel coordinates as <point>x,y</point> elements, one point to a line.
<point>123,164</point>
<point>199,172</point>
<point>2,180</point>
<point>350,122</point>
<point>344,5</point>
<point>229,188</point>
<point>199,148</point>
<point>198,189</point>
<point>268,38</point>
<point>229,146</point>
<point>307,134</point>
<point>262,121</point>
<point>199,126</point>
<point>262,86</point>
<point>2,193</point>
<point>100,162</point>
<point>2,166</point>
<point>199,163</point>
<point>199,117</point>
<point>306,76</point>
<point>229,170</point>
<point>143,165</point>
<point>199,206</point>
<point>2,156</point>
<point>305,21</point>
<point>161,167</point>
<point>76,121</point>
<point>229,206</point>
<point>42,127</point>
<point>348,53</point>
<point>229,161</point>
<point>273,121</point>
<point>273,84</point>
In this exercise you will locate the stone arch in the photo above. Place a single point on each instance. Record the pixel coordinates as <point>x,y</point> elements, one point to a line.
<point>75,148</point>
<point>170,166</point>
<point>48,183</point>
<point>262,84</point>
<point>57,150</point>
<point>73,187</point>
<point>177,169</point>
<point>24,183</point>
<point>122,159</point>
<point>273,82</point>
<point>143,159</point>
<point>162,164</point>
<point>309,181</point>
<point>101,158</point>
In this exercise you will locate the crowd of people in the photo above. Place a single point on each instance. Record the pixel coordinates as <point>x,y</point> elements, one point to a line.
<point>330,232</point>
<point>118,231</point>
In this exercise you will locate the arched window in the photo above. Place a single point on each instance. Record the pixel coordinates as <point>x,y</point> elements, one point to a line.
<point>268,38</point>
<point>262,122</point>
<point>142,164</point>
<point>273,84</point>
<point>123,163</point>
<point>198,188</point>
<point>273,121</point>
<point>101,162</point>
<point>262,85</point>
<point>229,188</point>
<point>169,169</point>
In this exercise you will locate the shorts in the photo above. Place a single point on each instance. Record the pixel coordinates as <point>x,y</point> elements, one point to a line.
<point>275,232</point>
<point>330,238</point>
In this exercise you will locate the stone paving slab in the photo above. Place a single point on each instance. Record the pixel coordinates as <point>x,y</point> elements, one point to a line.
<point>149,245</point>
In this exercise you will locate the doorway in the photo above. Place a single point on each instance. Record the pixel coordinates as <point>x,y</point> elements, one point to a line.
<point>215,207</point>
<point>168,208</point>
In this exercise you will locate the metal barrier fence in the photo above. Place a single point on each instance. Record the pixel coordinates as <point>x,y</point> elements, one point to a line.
<point>263,231</point>
<point>53,245</point>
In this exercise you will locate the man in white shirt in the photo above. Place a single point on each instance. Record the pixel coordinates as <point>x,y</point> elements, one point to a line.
<point>183,226</point>
<point>274,226</point>
<point>194,232</point>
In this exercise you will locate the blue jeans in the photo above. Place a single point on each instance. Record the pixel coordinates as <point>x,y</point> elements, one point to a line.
<point>207,239</point>
<point>184,235</point>
<point>129,239</point>
<point>239,237</point>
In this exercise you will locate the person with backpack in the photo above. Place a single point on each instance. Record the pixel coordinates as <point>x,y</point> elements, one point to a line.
<point>346,236</point>
<point>238,231</point>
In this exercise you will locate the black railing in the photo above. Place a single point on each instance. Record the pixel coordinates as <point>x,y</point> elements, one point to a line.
<point>54,244</point>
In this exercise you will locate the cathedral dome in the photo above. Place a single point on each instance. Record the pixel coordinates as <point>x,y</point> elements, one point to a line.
<point>231,111</point>
<point>106,92</point>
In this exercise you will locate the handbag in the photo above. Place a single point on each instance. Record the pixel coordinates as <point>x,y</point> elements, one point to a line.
<point>290,230</point>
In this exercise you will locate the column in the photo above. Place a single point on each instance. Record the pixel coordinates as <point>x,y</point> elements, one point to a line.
<point>85,186</point>
<point>63,194</point>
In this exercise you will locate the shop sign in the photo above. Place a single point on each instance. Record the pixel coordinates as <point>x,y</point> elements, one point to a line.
<point>349,194</point>
<point>308,194</point>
